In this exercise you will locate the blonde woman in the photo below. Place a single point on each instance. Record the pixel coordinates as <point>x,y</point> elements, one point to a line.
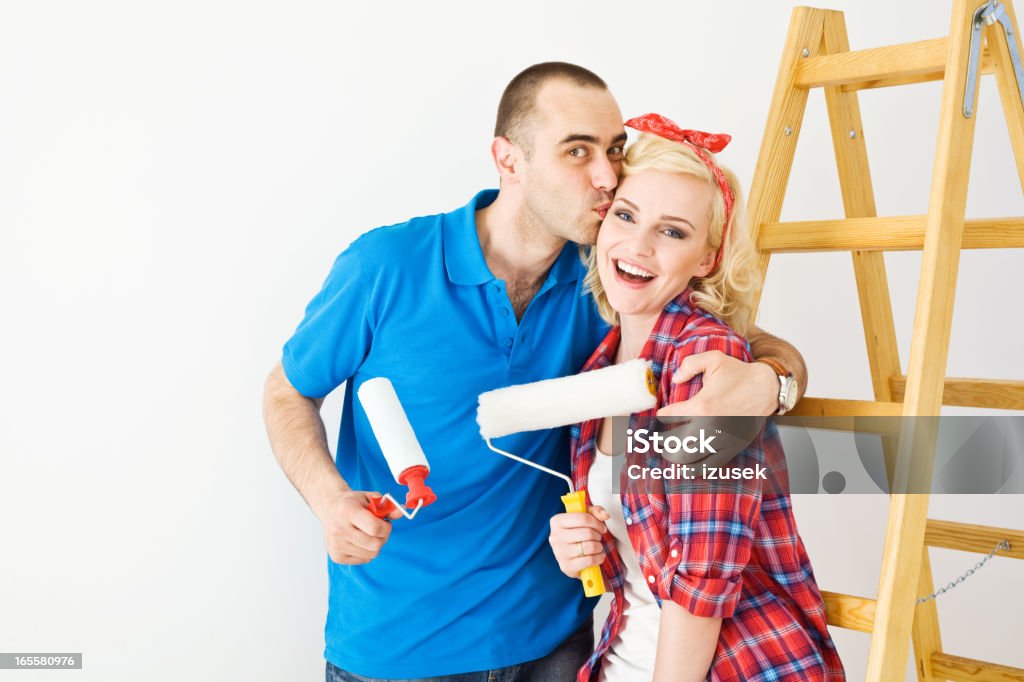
<point>708,582</point>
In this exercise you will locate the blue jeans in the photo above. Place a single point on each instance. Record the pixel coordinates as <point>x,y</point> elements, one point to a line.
<point>560,665</point>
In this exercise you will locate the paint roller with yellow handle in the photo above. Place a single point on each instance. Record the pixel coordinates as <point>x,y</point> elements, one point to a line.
<point>607,392</point>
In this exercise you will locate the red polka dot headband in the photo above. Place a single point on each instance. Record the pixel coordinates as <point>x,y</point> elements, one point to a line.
<point>701,143</point>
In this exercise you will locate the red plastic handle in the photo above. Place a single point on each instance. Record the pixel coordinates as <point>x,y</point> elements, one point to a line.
<point>381,507</point>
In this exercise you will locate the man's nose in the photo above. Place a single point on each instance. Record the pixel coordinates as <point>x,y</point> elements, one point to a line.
<point>604,174</point>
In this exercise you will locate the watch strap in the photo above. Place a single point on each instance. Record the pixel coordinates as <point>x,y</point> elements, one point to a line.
<point>784,376</point>
<point>779,369</point>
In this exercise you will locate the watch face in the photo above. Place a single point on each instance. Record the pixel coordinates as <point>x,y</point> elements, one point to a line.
<point>789,392</point>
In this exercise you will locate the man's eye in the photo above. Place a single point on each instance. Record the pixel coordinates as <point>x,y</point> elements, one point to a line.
<point>578,152</point>
<point>615,152</point>
<point>624,216</point>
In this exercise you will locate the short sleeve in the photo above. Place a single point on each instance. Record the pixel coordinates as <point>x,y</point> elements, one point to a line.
<point>334,337</point>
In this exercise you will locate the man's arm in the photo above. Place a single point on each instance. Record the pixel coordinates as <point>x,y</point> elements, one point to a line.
<point>299,441</point>
<point>298,438</point>
<point>764,345</point>
<point>735,388</point>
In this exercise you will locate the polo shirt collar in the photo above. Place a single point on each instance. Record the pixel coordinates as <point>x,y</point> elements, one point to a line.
<point>464,259</point>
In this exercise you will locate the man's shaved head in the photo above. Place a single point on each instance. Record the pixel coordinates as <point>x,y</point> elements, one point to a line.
<point>518,103</point>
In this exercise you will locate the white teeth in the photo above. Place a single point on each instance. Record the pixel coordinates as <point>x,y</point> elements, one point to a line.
<point>633,270</point>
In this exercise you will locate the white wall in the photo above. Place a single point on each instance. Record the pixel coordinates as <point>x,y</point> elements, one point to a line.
<point>175,180</point>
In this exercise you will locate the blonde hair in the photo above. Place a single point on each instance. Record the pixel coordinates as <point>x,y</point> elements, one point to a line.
<point>728,291</point>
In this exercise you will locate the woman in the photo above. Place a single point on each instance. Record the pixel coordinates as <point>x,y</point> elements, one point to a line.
<point>707,582</point>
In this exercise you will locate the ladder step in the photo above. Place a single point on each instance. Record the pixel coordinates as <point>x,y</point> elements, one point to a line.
<point>879,426</point>
<point>967,537</point>
<point>848,611</point>
<point>1000,394</point>
<point>878,67</point>
<point>949,667</point>
<point>830,407</point>
<point>899,233</point>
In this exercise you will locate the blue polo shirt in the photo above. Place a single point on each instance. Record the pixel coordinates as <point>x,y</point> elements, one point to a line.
<point>470,583</point>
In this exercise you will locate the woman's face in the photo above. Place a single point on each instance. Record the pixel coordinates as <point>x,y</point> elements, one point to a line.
<point>653,240</point>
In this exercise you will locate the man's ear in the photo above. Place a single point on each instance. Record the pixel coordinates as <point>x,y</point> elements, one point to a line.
<point>506,155</point>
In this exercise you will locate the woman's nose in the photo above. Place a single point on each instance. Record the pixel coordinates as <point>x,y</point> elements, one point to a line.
<point>642,243</point>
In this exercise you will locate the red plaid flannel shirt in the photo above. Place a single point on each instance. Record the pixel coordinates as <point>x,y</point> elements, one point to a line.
<point>734,554</point>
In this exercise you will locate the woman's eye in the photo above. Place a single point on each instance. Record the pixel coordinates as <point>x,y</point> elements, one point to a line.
<point>578,152</point>
<point>674,233</point>
<point>624,216</point>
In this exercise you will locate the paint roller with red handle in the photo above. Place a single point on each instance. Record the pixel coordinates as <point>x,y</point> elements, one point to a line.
<point>607,392</point>
<point>398,443</point>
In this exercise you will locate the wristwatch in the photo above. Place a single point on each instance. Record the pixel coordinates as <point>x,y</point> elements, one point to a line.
<point>787,386</point>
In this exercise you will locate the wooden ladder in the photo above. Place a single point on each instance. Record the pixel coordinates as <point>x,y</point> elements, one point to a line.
<point>817,54</point>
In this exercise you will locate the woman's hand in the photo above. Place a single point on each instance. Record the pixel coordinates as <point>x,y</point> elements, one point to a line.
<point>576,540</point>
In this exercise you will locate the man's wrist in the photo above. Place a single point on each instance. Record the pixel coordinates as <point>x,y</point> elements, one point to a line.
<point>770,389</point>
<point>786,390</point>
<point>323,496</point>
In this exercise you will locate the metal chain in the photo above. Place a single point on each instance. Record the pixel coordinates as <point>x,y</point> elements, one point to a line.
<point>1003,545</point>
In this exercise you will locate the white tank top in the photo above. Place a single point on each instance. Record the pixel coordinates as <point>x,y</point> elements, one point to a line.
<point>632,652</point>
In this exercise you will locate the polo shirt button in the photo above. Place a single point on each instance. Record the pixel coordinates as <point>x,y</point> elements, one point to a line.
<point>629,521</point>
<point>504,312</point>
<point>508,342</point>
<point>650,579</point>
<point>674,553</point>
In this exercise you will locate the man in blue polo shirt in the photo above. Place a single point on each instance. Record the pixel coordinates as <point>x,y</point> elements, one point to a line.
<point>449,306</point>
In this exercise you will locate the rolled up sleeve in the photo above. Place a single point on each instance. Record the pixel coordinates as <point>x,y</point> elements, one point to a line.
<point>711,539</point>
<point>711,534</point>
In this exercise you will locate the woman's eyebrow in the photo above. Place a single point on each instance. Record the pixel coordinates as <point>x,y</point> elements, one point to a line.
<point>663,217</point>
<point>677,219</point>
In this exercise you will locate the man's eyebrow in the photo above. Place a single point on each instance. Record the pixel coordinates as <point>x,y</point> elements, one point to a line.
<point>581,137</point>
<point>578,137</point>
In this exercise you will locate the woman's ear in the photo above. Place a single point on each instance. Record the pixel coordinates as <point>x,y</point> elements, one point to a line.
<point>506,158</point>
<point>706,263</point>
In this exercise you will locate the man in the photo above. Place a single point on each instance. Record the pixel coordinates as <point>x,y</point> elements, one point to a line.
<point>447,307</point>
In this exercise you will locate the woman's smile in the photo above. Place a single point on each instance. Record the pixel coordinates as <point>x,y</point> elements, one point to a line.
<point>632,275</point>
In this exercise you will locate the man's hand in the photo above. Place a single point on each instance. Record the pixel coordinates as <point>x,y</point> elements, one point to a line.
<point>731,387</point>
<point>576,540</point>
<point>352,534</point>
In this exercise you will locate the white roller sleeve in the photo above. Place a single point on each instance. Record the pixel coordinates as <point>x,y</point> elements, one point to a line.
<point>390,425</point>
<point>607,392</point>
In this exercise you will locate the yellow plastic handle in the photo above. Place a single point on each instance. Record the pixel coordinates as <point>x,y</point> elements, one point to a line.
<point>593,581</point>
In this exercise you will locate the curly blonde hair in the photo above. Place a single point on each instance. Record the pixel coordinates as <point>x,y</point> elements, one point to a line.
<point>728,291</point>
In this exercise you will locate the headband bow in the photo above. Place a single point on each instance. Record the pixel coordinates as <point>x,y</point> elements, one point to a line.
<point>701,143</point>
